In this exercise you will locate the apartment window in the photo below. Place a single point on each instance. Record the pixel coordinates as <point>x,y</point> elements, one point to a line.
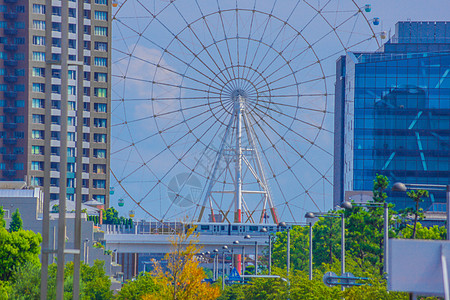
<point>73,28</point>
<point>19,150</point>
<point>87,45</point>
<point>72,74</point>
<point>37,103</point>
<point>72,44</point>
<point>56,104</point>
<point>2,103</point>
<point>101,77</point>
<point>3,55</point>
<point>99,169</point>
<point>72,57</point>
<point>101,15</point>
<point>3,134</point>
<point>19,119</point>
<point>19,25</point>
<point>85,152</point>
<point>56,26</point>
<point>56,42</point>
<point>20,56</point>
<point>100,153</point>
<point>38,24</point>
<point>3,24</point>
<point>87,29</point>
<point>70,152</point>
<point>56,11</point>
<point>20,8</point>
<point>70,183</point>
<point>38,72</point>
<point>85,137</point>
<point>100,107</point>
<point>70,167</point>
<point>3,8</point>
<point>56,73</point>
<point>18,166</point>
<point>72,13</point>
<point>39,40</point>
<point>100,61</point>
<point>86,91</point>
<point>56,89</point>
<point>19,40</point>
<point>98,183</point>
<point>87,14</point>
<point>54,182</point>
<point>55,135</point>
<point>101,31</point>
<point>54,166</point>
<point>37,134</point>
<point>37,150</point>
<point>55,151</point>
<point>100,122</point>
<point>86,106</point>
<point>86,122</point>
<point>71,105</point>
<point>38,9</point>
<point>2,119</point>
<point>71,121</point>
<point>56,120</point>
<point>100,92</point>
<point>19,87</point>
<point>19,134</point>
<point>71,136</point>
<point>38,87</point>
<point>37,181</point>
<point>38,119</point>
<point>56,56</point>
<point>87,76</point>
<point>37,165</point>
<point>72,90</point>
<point>38,56</point>
<point>101,2</point>
<point>19,72</point>
<point>3,87</point>
<point>85,183</point>
<point>86,168</point>
<point>99,198</point>
<point>3,40</point>
<point>87,60</point>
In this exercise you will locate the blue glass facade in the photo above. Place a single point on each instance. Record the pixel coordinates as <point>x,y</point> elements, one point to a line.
<point>393,113</point>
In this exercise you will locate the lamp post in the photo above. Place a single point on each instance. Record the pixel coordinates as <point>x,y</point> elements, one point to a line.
<point>288,248</point>
<point>232,253</point>
<point>264,230</point>
<point>403,187</point>
<point>247,237</point>
<point>225,248</point>
<point>214,264</point>
<point>349,205</point>
<point>311,215</point>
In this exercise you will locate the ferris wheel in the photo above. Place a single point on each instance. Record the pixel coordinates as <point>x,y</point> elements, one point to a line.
<point>222,111</point>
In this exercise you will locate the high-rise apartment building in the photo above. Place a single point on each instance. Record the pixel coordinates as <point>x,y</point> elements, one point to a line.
<point>393,113</point>
<point>55,96</point>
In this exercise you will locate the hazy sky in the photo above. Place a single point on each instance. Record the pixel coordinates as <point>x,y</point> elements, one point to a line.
<point>392,11</point>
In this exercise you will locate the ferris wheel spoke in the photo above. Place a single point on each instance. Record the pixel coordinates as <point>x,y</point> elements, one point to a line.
<point>289,168</point>
<point>226,40</point>
<point>294,106</point>
<point>248,38</point>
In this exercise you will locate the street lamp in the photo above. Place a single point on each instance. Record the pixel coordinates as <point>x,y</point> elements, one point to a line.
<point>349,205</point>
<point>288,246</point>
<point>232,253</point>
<point>225,248</point>
<point>311,215</point>
<point>214,263</point>
<point>264,230</point>
<point>403,187</point>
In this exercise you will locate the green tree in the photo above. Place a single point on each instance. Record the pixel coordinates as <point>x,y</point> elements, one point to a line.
<point>16,248</point>
<point>26,282</point>
<point>417,197</point>
<point>135,290</point>
<point>16,222</point>
<point>425,233</point>
<point>2,220</point>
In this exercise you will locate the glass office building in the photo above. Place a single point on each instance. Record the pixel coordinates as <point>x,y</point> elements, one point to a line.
<point>393,114</point>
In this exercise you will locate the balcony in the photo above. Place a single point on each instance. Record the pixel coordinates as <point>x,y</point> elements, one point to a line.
<point>9,125</point>
<point>10,47</point>
<point>10,157</point>
<point>10,63</point>
<point>10,94</point>
<point>10,31</point>
<point>10,110</point>
<point>10,141</point>
<point>10,78</point>
<point>9,173</point>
